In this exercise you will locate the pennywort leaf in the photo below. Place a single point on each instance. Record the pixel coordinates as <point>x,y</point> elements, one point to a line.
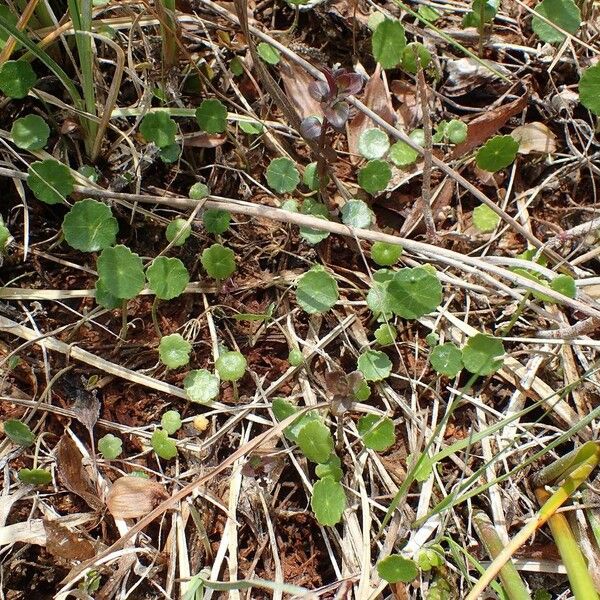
<point>317,291</point>
<point>121,272</point>
<point>328,501</point>
<point>90,226</point>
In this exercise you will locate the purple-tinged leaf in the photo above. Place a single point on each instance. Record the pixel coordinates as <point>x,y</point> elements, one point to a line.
<point>330,77</point>
<point>337,114</point>
<point>349,84</point>
<point>319,90</point>
<point>310,128</point>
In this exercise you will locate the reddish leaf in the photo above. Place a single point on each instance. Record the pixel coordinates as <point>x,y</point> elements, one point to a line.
<point>310,128</point>
<point>349,84</point>
<point>337,114</point>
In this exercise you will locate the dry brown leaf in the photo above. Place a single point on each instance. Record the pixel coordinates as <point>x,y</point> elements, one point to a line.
<point>203,140</point>
<point>295,82</point>
<point>466,74</point>
<point>72,474</point>
<point>485,126</point>
<point>535,138</point>
<point>131,497</point>
<point>86,408</point>
<point>410,111</point>
<point>66,544</point>
<point>378,100</point>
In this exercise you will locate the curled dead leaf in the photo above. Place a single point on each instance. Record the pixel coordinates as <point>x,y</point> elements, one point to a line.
<point>535,138</point>
<point>131,497</point>
<point>64,543</point>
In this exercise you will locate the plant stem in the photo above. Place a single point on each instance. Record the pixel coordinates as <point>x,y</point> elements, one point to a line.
<point>509,576</point>
<point>582,585</point>
<point>168,30</point>
<point>559,468</point>
<point>155,316</point>
<point>123,332</point>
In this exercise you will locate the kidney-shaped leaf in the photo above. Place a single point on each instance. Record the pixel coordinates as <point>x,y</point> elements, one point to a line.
<point>483,354</point>
<point>121,272</point>
<point>167,277</point>
<point>317,291</point>
<point>414,292</point>
<point>50,181</point>
<point>328,501</point>
<point>315,441</point>
<point>201,386</point>
<point>90,226</point>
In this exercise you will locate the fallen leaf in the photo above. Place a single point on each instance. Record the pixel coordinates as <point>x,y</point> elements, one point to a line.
<point>466,74</point>
<point>86,407</point>
<point>535,138</point>
<point>484,127</point>
<point>410,111</point>
<point>131,497</point>
<point>377,98</point>
<point>64,543</point>
<point>72,474</point>
<point>295,82</point>
<point>202,139</point>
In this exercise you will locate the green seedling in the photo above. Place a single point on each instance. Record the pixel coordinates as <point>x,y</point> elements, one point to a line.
<point>431,557</point>
<point>446,359</point>
<point>385,254</point>
<point>377,433</point>
<point>282,175</point>
<point>374,365</point>
<point>5,237</point>
<point>564,13</point>
<point>357,213</point>
<point>483,354</point>
<point>201,386</point>
<point>174,351</point>
<point>414,293</point>
<point>378,298</point>
<point>171,422</point>
<point>211,116</point>
<point>30,132</point>
<point>388,42</point>
<point>199,191</point>
<point>414,57</point>
<point>268,53</point>
<point>16,78</point>
<point>159,128</point>
<point>34,476</point>
<point>395,569</point>
<point>216,221</point>
<point>402,155</point>
<point>432,339</point>
<point>163,445</point>
<point>110,446</point>
<point>328,501</point>
<point>316,291</point>
<point>589,89</point>
<point>251,127</point>
<point>218,261</point>
<point>374,176</point>
<point>178,231</point>
<point>90,226</point>
<point>564,284</point>
<point>19,433</point>
<point>485,220</point>
<point>497,153</point>
<point>373,143</point>
<point>231,365</point>
<point>315,441</point>
<point>386,334</point>
<point>295,357</point>
<point>50,181</point>
<point>167,277</point>
<point>121,272</point>
<point>428,13</point>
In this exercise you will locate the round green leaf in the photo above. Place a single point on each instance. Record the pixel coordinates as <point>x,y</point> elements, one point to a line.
<point>328,501</point>
<point>385,334</point>
<point>483,354</point>
<point>199,191</point>
<point>564,284</point>
<point>564,13</point>
<point>174,350</point>
<point>357,213</point>
<point>412,52</point>
<point>402,155</point>
<point>236,66</point>
<point>50,181</point>
<point>170,154</point>
<point>373,143</point>
<point>158,127</point>
<point>201,386</point>
<point>251,127</point>
<point>310,178</point>
<point>331,468</point>
<point>171,422</point>
<point>18,432</point>
<point>374,176</point>
<point>456,131</point>
<point>231,365</point>
<point>34,476</point>
<point>216,221</point>
<point>374,365</point>
<point>316,209</point>
<point>90,226</point>
<point>485,219</point>
<point>497,153</point>
<point>218,261</point>
<point>446,359</point>
<point>295,357</point>
<point>315,441</point>
<point>385,254</point>
<point>30,132</point>
<point>282,175</point>
<point>105,299</point>
<point>589,89</point>
<point>212,116</point>
<point>167,277</point>
<point>378,433</point>
<point>388,43</point>
<point>395,568</point>
<point>110,446</point>
<point>178,231</point>
<point>16,78</point>
<point>317,291</point>
<point>121,271</point>
<point>414,292</point>
<point>268,53</point>
<point>163,445</point>
<point>282,409</point>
